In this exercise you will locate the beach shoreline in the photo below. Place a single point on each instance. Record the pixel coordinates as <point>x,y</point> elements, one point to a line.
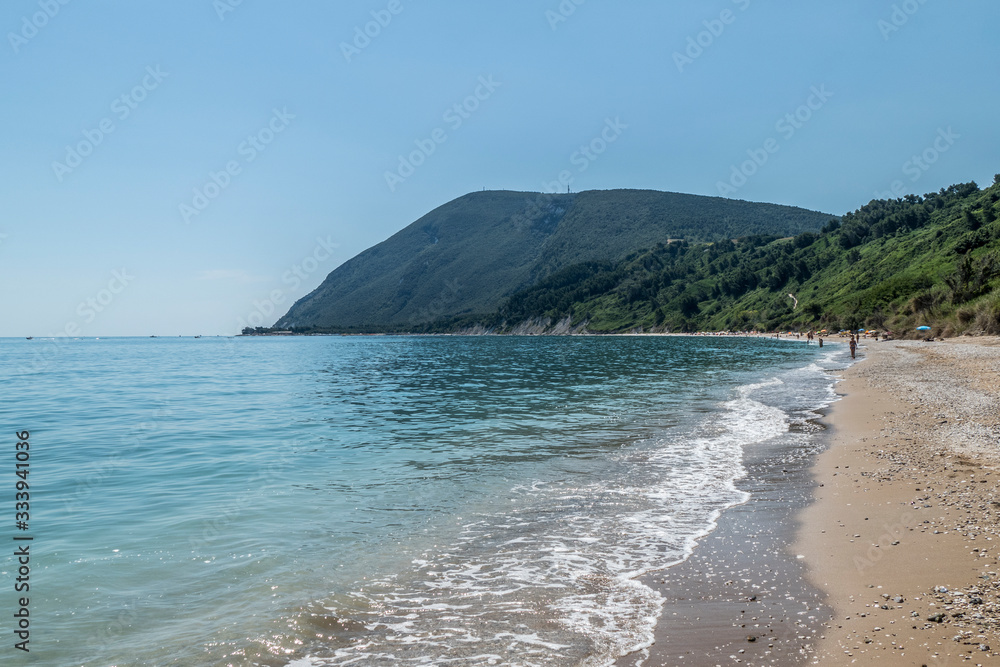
<point>880,547</point>
<point>742,595</point>
<point>740,582</point>
<point>904,528</point>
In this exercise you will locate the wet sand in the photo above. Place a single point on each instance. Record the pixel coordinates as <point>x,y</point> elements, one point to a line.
<point>742,582</point>
<point>742,596</point>
<point>881,550</point>
<point>903,537</point>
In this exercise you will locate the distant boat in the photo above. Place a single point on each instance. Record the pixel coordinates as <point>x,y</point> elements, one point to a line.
<point>152,336</point>
<point>197,336</point>
<point>30,337</point>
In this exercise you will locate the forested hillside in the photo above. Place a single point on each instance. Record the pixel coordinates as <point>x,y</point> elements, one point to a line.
<point>896,264</point>
<point>466,257</point>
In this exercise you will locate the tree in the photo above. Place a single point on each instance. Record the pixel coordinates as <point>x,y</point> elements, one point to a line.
<point>848,239</point>
<point>972,222</point>
<point>805,239</point>
<point>831,226</point>
<point>689,305</point>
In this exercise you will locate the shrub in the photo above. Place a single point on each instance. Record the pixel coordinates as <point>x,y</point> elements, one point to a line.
<point>988,315</point>
<point>920,303</point>
<point>966,314</point>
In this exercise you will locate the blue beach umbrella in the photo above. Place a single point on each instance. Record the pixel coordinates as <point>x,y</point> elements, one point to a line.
<point>924,328</point>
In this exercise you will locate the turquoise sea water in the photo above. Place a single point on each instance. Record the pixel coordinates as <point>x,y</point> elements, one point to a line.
<point>377,500</point>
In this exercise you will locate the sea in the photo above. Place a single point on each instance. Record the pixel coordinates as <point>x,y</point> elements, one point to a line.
<point>374,500</point>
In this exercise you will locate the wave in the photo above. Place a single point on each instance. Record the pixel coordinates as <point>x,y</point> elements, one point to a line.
<point>551,573</point>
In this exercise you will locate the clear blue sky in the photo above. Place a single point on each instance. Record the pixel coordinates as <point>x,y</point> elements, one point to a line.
<point>309,114</point>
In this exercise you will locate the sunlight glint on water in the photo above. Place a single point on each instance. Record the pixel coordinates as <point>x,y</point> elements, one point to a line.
<point>358,500</point>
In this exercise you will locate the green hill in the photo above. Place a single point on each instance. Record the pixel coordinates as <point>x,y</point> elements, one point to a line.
<point>894,264</point>
<point>466,257</point>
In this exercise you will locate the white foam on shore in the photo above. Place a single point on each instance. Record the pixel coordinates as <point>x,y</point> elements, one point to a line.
<point>554,578</point>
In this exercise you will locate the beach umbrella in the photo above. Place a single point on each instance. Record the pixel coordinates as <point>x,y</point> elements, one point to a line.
<point>861,330</point>
<point>924,328</point>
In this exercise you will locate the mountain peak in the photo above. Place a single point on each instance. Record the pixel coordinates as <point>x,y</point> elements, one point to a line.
<point>469,254</point>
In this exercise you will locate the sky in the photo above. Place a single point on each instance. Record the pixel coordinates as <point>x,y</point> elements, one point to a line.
<point>194,166</point>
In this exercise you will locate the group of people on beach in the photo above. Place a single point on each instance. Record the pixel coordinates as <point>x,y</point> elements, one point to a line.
<point>855,338</point>
<point>853,343</point>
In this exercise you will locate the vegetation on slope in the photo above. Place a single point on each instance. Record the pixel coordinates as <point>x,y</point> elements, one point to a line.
<point>892,264</point>
<point>467,256</point>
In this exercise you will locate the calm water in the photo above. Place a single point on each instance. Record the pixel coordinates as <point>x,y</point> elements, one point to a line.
<point>377,500</point>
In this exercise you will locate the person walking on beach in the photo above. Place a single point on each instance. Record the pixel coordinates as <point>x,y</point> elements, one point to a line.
<point>854,347</point>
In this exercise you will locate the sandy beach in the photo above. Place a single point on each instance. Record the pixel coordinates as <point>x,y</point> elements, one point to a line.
<point>880,550</point>
<point>901,536</point>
